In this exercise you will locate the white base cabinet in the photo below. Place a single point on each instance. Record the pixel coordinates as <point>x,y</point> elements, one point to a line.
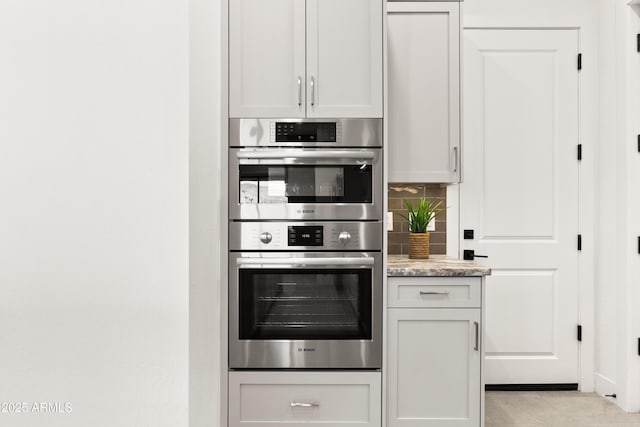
<point>310,399</point>
<point>434,352</point>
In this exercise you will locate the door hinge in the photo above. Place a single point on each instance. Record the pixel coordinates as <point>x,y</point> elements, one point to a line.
<point>579,242</point>
<point>638,346</point>
<point>638,42</point>
<point>579,61</point>
<point>580,333</point>
<point>579,151</point>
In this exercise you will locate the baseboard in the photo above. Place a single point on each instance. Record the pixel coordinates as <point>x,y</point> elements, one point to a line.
<point>604,385</point>
<point>531,387</point>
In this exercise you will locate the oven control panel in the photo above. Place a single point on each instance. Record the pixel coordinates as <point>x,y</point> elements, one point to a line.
<point>305,235</point>
<point>304,131</point>
<point>288,236</point>
<point>321,132</point>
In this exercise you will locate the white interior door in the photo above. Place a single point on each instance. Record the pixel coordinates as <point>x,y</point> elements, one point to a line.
<point>520,196</point>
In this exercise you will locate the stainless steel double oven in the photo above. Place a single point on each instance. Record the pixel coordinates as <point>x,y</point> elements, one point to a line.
<point>305,240</point>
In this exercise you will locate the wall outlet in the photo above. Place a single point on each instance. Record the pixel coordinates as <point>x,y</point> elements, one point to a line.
<point>432,225</point>
<point>390,221</point>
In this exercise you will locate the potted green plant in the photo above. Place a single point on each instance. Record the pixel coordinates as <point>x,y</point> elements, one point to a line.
<point>419,218</point>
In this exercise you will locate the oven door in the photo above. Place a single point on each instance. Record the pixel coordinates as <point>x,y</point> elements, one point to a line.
<point>305,310</point>
<point>305,184</point>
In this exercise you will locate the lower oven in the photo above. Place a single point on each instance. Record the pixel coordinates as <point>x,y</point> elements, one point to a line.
<point>305,309</point>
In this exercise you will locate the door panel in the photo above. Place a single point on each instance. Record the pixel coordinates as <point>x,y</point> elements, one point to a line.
<point>526,180</point>
<point>520,195</point>
<point>344,58</point>
<point>266,58</point>
<point>529,292</point>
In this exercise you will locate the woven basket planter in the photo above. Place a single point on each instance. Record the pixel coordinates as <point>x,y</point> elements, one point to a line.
<point>418,245</point>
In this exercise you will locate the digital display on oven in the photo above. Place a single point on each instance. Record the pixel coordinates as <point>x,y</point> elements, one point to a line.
<point>305,235</point>
<point>305,132</point>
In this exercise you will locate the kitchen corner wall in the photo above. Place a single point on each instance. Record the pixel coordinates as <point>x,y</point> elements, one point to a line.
<point>94,283</point>
<point>398,238</point>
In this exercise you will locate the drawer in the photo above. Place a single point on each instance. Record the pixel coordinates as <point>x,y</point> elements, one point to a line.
<point>261,399</point>
<point>416,292</point>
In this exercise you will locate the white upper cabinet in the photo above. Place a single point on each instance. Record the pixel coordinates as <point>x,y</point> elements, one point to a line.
<point>305,58</point>
<point>424,91</point>
<point>344,58</point>
<point>267,58</point>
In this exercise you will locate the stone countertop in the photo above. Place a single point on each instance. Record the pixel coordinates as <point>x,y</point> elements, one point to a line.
<point>435,265</point>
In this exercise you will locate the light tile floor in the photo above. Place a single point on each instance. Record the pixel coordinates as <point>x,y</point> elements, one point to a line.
<point>553,408</point>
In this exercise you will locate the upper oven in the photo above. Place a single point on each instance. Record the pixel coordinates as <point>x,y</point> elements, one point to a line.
<point>321,133</point>
<point>305,184</point>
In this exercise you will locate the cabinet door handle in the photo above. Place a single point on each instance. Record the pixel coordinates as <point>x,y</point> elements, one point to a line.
<point>477,346</point>
<point>313,91</point>
<point>433,293</point>
<point>299,91</point>
<point>304,405</point>
<point>455,159</point>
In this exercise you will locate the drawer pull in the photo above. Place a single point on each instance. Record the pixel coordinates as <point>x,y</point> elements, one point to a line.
<point>304,405</point>
<point>433,293</point>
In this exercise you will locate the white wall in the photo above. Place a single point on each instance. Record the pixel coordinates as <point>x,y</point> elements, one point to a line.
<point>606,289</point>
<point>207,404</point>
<point>524,13</point>
<point>94,211</point>
<point>618,268</point>
<point>630,242</point>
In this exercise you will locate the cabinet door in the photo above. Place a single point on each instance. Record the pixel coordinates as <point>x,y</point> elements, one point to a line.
<point>424,91</point>
<point>267,58</point>
<point>344,58</point>
<point>433,368</point>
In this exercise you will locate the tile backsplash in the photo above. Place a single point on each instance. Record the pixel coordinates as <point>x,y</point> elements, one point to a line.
<point>399,237</point>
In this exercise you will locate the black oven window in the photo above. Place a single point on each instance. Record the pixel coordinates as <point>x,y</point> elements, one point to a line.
<point>305,304</point>
<point>305,184</point>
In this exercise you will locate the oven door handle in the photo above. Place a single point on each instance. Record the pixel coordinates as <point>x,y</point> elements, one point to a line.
<point>306,261</point>
<point>325,154</point>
